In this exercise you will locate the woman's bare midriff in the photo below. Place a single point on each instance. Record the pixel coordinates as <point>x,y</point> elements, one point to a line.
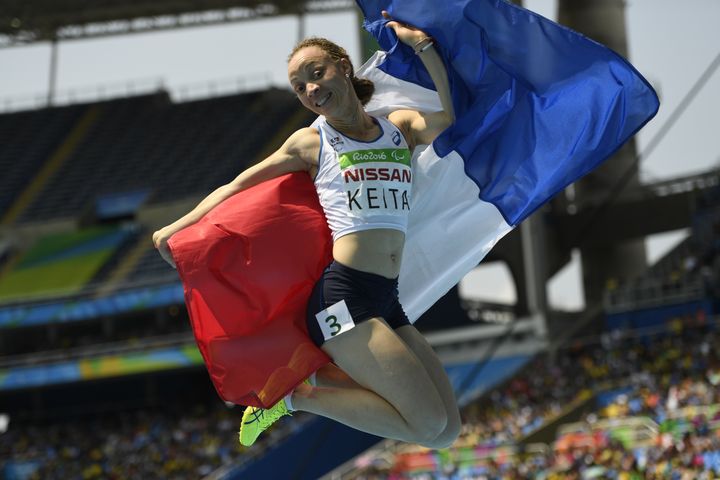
<point>376,251</point>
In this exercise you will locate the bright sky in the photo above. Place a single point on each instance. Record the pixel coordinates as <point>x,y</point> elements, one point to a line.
<point>670,43</point>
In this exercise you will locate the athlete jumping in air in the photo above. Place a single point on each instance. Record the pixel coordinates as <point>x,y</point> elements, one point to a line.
<point>384,378</point>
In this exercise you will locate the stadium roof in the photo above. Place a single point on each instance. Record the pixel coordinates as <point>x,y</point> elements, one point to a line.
<point>26,21</point>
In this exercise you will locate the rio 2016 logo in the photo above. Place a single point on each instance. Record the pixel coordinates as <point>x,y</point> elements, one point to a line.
<point>369,156</point>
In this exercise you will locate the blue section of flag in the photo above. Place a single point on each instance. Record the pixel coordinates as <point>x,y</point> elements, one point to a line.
<point>537,105</point>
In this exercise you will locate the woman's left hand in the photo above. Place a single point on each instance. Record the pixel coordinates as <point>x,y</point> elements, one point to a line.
<point>407,34</point>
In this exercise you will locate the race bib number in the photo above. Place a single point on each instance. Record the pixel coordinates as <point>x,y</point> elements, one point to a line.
<point>335,320</point>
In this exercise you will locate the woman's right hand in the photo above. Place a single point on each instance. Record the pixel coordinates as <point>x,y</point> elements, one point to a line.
<point>407,34</point>
<point>160,240</point>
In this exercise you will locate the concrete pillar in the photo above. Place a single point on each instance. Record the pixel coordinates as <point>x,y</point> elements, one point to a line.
<point>535,271</point>
<point>604,21</point>
<point>52,75</point>
<point>510,251</point>
<point>535,268</point>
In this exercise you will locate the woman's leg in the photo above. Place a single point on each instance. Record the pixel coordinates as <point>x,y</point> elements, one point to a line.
<point>396,399</point>
<point>425,353</point>
<point>332,376</point>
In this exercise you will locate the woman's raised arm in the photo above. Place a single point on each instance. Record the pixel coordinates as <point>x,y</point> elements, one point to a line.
<point>423,127</point>
<point>298,153</point>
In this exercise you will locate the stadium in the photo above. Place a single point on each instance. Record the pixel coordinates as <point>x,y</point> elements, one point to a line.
<point>100,372</point>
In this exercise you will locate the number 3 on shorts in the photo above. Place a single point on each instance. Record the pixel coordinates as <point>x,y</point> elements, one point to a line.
<point>333,323</point>
<point>334,320</point>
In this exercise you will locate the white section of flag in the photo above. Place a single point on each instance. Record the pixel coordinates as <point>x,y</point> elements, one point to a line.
<point>450,229</point>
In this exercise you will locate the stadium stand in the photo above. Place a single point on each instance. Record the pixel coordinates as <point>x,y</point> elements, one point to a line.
<point>103,381</point>
<point>61,264</point>
<point>689,272</point>
<point>67,319</point>
<point>28,139</point>
<point>174,150</point>
<point>151,267</point>
<point>101,378</point>
<point>668,377</point>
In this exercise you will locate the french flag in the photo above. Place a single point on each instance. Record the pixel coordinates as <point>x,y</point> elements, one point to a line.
<point>537,106</point>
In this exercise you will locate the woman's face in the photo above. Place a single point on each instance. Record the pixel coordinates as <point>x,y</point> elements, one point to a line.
<point>319,81</point>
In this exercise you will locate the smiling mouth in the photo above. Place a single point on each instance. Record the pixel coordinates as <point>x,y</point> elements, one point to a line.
<point>323,100</point>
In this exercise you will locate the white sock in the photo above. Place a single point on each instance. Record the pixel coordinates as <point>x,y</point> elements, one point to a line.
<point>288,402</point>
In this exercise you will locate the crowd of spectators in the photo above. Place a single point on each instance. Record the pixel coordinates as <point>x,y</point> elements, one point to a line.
<point>658,377</point>
<point>668,377</point>
<point>166,443</point>
<point>549,386</point>
<point>140,444</point>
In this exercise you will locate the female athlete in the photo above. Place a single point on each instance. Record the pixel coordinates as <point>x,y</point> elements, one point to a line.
<point>384,378</point>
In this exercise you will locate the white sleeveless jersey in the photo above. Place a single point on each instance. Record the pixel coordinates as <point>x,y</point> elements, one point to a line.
<point>364,185</point>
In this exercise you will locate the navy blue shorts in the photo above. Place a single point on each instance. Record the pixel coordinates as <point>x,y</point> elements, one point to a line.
<point>344,297</point>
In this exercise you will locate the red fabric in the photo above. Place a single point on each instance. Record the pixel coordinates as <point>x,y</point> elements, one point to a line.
<point>248,268</point>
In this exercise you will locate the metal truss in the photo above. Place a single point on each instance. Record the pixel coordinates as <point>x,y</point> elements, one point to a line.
<point>25,22</point>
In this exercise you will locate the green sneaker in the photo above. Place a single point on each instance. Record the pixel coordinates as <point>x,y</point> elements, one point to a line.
<point>256,420</point>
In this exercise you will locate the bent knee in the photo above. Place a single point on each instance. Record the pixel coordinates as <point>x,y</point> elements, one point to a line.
<point>454,425</point>
<point>446,439</point>
<point>448,435</point>
<point>428,426</point>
